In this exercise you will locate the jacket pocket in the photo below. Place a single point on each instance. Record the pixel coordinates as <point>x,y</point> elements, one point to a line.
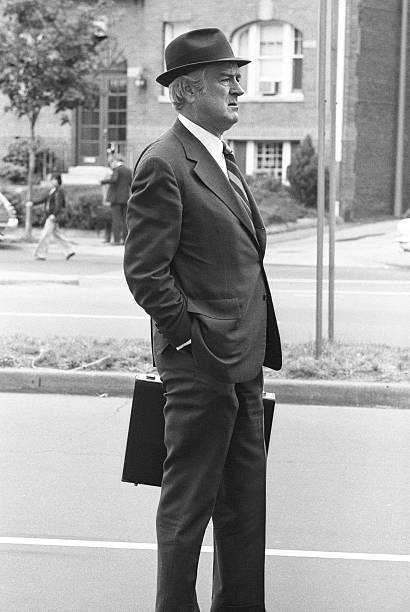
<point>225,308</point>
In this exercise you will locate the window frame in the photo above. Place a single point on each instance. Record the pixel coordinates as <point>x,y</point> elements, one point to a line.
<point>275,171</point>
<point>286,91</point>
<point>297,55</point>
<point>250,155</point>
<point>168,35</point>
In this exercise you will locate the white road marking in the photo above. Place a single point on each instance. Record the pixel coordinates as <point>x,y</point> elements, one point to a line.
<point>344,292</point>
<point>115,277</point>
<point>269,552</point>
<point>64,315</point>
<point>363,283</point>
<point>341,280</point>
<point>143,317</point>
<point>274,280</point>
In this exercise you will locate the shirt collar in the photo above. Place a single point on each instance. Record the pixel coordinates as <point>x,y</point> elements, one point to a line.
<point>210,141</point>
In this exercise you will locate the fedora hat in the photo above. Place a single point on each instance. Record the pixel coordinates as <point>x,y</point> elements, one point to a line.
<point>194,49</point>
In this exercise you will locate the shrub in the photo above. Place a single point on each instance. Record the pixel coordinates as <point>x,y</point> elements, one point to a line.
<point>15,173</point>
<point>84,207</point>
<point>302,174</point>
<point>275,202</point>
<point>19,198</point>
<point>15,167</point>
<point>85,210</point>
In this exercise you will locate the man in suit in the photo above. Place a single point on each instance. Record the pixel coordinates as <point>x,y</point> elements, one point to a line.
<point>118,193</point>
<point>194,262</point>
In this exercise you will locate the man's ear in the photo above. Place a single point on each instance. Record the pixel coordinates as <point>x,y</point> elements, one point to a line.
<point>189,92</point>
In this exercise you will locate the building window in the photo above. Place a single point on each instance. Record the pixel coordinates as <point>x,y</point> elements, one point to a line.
<point>117,114</point>
<point>269,157</point>
<point>276,53</point>
<point>263,157</point>
<point>105,125</point>
<point>172,29</point>
<point>297,60</point>
<point>270,59</point>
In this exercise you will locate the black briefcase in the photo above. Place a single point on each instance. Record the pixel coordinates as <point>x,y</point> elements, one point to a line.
<point>145,451</point>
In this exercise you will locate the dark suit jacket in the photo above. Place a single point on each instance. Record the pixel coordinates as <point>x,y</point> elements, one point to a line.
<point>119,185</point>
<point>193,260</point>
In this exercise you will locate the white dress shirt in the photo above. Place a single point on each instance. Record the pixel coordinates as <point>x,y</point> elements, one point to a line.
<point>212,143</point>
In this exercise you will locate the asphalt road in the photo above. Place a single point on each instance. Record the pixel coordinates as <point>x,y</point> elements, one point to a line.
<point>74,538</point>
<point>369,308</point>
<point>88,294</point>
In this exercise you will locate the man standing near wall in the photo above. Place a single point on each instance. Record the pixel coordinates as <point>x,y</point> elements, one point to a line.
<point>194,262</point>
<point>118,193</point>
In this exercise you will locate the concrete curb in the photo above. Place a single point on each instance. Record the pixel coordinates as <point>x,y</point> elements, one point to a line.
<point>16,278</point>
<point>42,380</point>
<point>340,393</point>
<point>47,380</point>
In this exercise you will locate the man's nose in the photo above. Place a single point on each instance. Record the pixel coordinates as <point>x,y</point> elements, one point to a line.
<point>237,89</point>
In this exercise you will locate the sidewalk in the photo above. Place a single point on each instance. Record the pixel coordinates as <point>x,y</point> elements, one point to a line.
<point>357,245</point>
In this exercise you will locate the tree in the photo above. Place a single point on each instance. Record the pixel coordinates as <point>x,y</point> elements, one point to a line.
<point>302,174</point>
<point>49,56</point>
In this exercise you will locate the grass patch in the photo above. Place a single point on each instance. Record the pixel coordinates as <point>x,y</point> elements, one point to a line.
<point>78,352</point>
<point>341,361</point>
<point>355,362</point>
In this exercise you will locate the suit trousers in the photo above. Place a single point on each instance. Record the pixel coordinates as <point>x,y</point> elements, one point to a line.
<point>215,468</point>
<point>119,222</point>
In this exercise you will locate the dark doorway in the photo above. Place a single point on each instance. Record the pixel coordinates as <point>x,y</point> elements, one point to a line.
<point>105,125</point>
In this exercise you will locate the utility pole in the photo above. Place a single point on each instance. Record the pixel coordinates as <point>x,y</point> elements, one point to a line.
<point>334,14</point>
<point>401,110</point>
<point>321,80</point>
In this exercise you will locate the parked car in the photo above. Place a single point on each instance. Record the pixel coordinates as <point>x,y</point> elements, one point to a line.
<point>8,217</point>
<point>403,233</point>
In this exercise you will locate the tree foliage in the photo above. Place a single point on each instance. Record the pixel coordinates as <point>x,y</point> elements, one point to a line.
<point>48,55</point>
<point>302,174</point>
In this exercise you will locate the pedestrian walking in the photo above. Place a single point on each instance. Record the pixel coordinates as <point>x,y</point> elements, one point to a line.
<point>53,212</point>
<point>118,193</point>
<point>194,261</point>
<point>106,202</point>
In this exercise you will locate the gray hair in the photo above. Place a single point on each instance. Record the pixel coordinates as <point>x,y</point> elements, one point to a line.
<point>193,82</point>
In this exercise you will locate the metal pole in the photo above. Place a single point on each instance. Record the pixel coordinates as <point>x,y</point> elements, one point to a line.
<point>398,190</point>
<point>320,172</point>
<point>332,168</point>
<point>341,39</point>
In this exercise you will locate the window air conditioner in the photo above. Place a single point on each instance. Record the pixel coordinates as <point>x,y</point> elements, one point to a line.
<point>269,88</point>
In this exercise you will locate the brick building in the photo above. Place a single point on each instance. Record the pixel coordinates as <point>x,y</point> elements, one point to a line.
<point>279,108</point>
<point>373,36</point>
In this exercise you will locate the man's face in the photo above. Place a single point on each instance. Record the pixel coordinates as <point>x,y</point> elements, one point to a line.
<point>216,108</point>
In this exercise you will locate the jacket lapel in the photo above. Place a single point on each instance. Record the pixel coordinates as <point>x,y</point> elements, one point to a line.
<point>212,176</point>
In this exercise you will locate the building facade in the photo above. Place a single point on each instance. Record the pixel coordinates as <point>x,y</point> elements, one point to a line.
<point>373,37</point>
<point>280,105</point>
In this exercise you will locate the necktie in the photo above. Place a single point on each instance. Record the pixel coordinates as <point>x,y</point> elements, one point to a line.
<point>234,176</point>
